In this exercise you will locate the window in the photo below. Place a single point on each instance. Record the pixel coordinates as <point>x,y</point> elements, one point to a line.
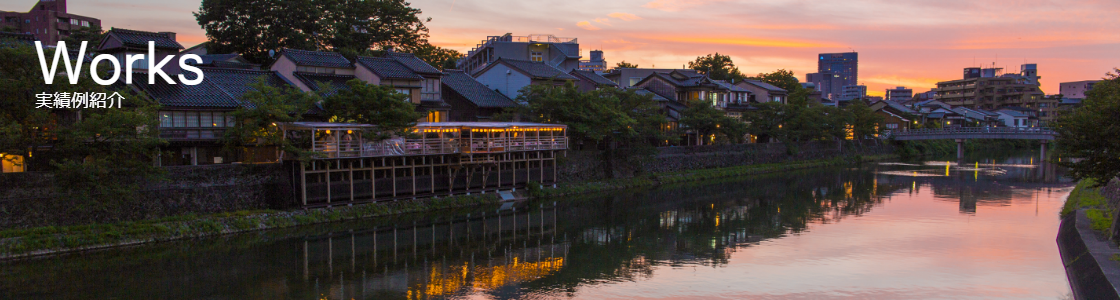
<point>192,119</point>
<point>164,119</point>
<point>205,119</point>
<point>892,126</point>
<point>536,56</point>
<point>179,119</point>
<point>634,80</point>
<point>74,22</point>
<point>404,91</point>
<point>85,23</point>
<point>434,116</point>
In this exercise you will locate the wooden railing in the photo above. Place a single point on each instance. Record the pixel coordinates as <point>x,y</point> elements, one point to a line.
<point>403,147</point>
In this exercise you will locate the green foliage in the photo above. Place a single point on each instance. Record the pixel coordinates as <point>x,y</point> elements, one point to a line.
<point>1090,133</point>
<point>864,121</point>
<point>250,27</point>
<point>1085,195</point>
<point>379,105</point>
<point>1099,219</point>
<point>709,121</point>
<point>441,58</point>
<point>625,65</point>
<point>716,66</point>
<point>265,106</point>
<point>92,34</point>
<point>607,119</point>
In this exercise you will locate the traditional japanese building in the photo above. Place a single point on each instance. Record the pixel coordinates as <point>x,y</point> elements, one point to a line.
<point>509,76</point>
<point>470,100</point>
<point>590,81</point>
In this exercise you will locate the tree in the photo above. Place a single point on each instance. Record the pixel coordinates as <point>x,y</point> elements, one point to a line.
<point>92,34</point>
<point>625,65</point>
<point>766,122</point>
<point>390,111</point>
<point>713,124</point>
<point>607,119</point>
<point>265,106</point>
<point>787,81</point>
<point>1089,133</point>
<point>716,66</point>
<point>254,27</point>
<point>864,122</point>
<point>441,58</point>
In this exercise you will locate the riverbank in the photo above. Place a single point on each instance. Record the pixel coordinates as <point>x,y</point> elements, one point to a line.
<point>22,243</point>
<point>1085,242</point>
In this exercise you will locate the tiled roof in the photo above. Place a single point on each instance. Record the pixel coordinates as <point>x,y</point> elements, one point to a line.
<point>764,85</point>
<point>338,82</point>
<point>593,77</point>
<point>899,107</point>
<point>136,38</point>
<point>388,68</point>
<point>644,91</point>
<point>731,87</point>
<point>536,70</point>
<point>211,58</point>
<point>413,63</point>
<point>474,91</point>
<point>316,58</point>
<point>220,88</point>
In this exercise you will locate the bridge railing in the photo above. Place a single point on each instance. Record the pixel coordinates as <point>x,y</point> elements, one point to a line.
<point>971,130</point>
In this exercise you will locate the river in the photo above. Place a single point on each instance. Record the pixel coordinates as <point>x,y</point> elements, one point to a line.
<point>913,230</point>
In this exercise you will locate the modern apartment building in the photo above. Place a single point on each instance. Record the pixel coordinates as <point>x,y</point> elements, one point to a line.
<point>560,53</point>
<point>596,64</point>
<point>900,94</point>
<point>47,20</point>
<point>830,85</point>
<point>844,66</point>
<point>991,89</point>
<point>1076,89</point>
<point>853,92</point>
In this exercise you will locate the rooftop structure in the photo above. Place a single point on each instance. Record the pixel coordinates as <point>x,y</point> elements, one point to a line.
<point>900,94</point>
<point>596,64</point>
<point>48,21</point>
<point>557,52</point>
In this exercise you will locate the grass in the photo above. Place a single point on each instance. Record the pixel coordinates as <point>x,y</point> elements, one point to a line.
<point>1096,206</point>
<point>16,243</point>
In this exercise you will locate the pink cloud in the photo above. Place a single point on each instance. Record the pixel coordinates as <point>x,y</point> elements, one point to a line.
<point>676,5</point>
<point>586,25</point>
<point>624,16</point>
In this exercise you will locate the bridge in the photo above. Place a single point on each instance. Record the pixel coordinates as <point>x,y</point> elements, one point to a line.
<point>960,134</point>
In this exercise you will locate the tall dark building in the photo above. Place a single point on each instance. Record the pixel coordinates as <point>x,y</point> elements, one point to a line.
<point>844,65</point>
<point>48,21</point>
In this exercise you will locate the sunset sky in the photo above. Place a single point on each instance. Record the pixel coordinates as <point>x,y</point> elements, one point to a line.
<point>901,42</point>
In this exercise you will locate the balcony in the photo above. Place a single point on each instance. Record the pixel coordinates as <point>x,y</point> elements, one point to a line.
<point>192,134</point>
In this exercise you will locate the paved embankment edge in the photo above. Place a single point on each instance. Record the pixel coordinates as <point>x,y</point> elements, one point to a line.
<point>1088,258</point>
<point>50,240</point>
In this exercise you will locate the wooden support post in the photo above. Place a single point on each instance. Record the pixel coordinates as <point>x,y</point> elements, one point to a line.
<point>303,181</point>
<point>328,183</point>
<point>394,169</point>
<point>351,171</point>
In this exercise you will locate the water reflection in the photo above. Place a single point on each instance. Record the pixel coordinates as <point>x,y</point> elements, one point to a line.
<point>538,249</point>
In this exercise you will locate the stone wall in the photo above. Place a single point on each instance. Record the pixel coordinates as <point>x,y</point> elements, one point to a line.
<point>589,165</point>
<point>29,199</point>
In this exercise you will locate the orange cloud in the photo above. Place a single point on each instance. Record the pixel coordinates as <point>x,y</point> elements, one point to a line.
<point>603,21</point>
<point>624,16</point>
<point>676,5</point>
<point>746,42</point>
<point>586,25</point>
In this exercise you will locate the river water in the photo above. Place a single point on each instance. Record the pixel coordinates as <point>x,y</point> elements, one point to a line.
<point>915,230</point>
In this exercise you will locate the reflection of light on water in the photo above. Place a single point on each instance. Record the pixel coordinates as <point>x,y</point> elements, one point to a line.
<point>942,173</point>
<point>899,164</point>
<point>442,283</point>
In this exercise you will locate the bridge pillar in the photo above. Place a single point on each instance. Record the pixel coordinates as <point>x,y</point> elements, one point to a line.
<point>1043,150</point>
<point>960,151</point>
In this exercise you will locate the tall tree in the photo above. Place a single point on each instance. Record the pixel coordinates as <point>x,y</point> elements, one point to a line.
<point>716,66</point>
<point>392,112</point>
<point>254,27</point>
<point>1090,133</point>
<point>92,34</point>
<point>712,125</point>
<point>864,122</point>
<point>625,65</point>
<point>608,119</point>
<point>788,81</point>
<point>265,105</point>
<point>441,58</point>
<point>767,121</point>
